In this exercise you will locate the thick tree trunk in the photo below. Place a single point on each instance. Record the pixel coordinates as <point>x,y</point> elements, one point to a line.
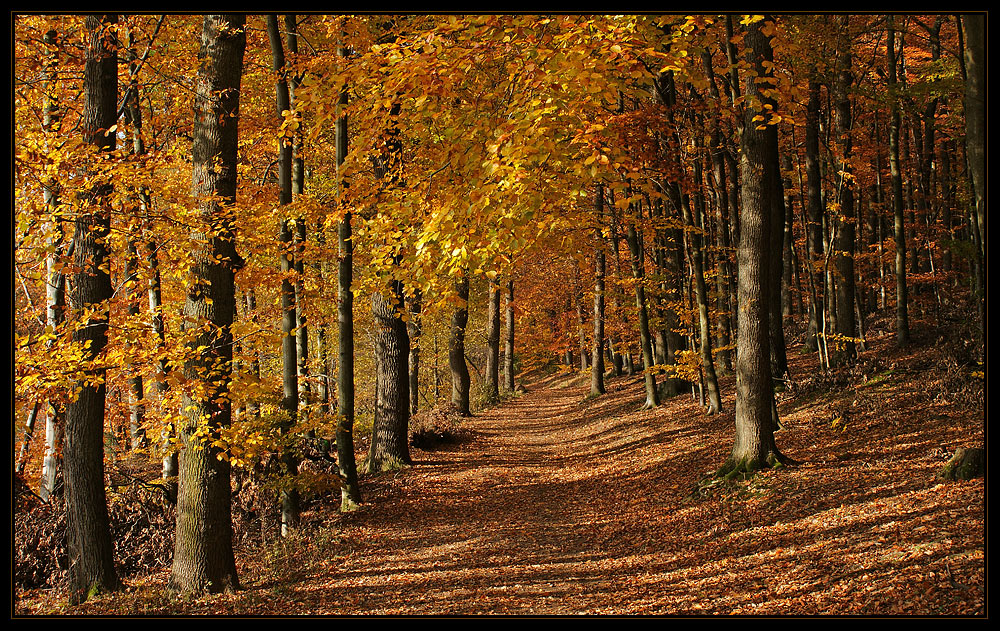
<point>754,447</point>
<point>974,31</point>
<point>88,534</point>
<point>203,545</point>
<point>460,382</point>
<point>390,445</point>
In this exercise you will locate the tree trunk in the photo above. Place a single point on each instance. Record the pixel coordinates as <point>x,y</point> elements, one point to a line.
<point>413,329</point>
<point>51,482</point>
<point>350,492</point>
<point>508,353</point>
<point>974,31</point>
<point>493,345</point>
<point>289,358</point>
<point>814,215</point>
<point>597,366</point>
<point>299,237</point>
<point>460,382</point>
<point>170,462</point>
<point>723,243</point>
<point>701,295</point>
<point>754,447</point>
<point>88,534</point>
<point>652,396</point>
<point>203,545</point>
<point>899,232</point>
<point>390,446</point>
<point>845,219</point>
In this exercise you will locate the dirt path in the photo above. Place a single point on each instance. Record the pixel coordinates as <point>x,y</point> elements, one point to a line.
<point>546,510</point>
<point>559,504</point>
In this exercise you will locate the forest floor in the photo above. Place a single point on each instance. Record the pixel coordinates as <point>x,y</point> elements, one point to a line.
<point>556,503</point>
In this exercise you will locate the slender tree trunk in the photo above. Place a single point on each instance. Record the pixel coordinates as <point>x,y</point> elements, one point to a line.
<point>88,534</point>
<point>652,396</point>
<point>845,218</point>
<point>51,483</point>
<point>203,544</point>
<point>723,243</point>
<point>899,232</point>
<point>508,353</point>
<point>814,215</point>
<point>137,405</point>
<point>350,492</point>
<point>413,328</point>
<point>460,382</point>
<point>300,235</point>
<point>170,461</point>
<point>289,355</point>
<point>493,345</point>
<point>597,366</point>
<point>701,296</point>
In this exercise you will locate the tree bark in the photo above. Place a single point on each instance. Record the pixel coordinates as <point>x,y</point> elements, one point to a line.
<point>814,219</point>
<point>390,445</point>
<point>652,396</point>
<point>203,544</point>
<point>289,354</point>
<point>350,492</point>
<point>51,482</point>
<point>597,366</point>
<point>899,232</point>
<point>754,447</point>
<point>701,296</point>
<point>88,534</point>
<point>493,345</point>
<point>845,346</point>
<point>508,353</point>
<point>413,329</point>
<point>460,382</point>
<point>974,31</point>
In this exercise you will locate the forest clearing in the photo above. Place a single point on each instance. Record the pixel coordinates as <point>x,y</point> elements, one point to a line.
<point>431,314</point>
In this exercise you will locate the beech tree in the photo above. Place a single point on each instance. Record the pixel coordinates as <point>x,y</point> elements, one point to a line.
<point>88,534</point>
<point>754,447</point>
<point>203,544</point>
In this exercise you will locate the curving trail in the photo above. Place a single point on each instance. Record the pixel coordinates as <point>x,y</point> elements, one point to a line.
<point>551,508</point>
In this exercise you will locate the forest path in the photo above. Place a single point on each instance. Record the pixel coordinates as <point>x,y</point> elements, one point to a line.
<point>550,508</point>
<point>559,504</point>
